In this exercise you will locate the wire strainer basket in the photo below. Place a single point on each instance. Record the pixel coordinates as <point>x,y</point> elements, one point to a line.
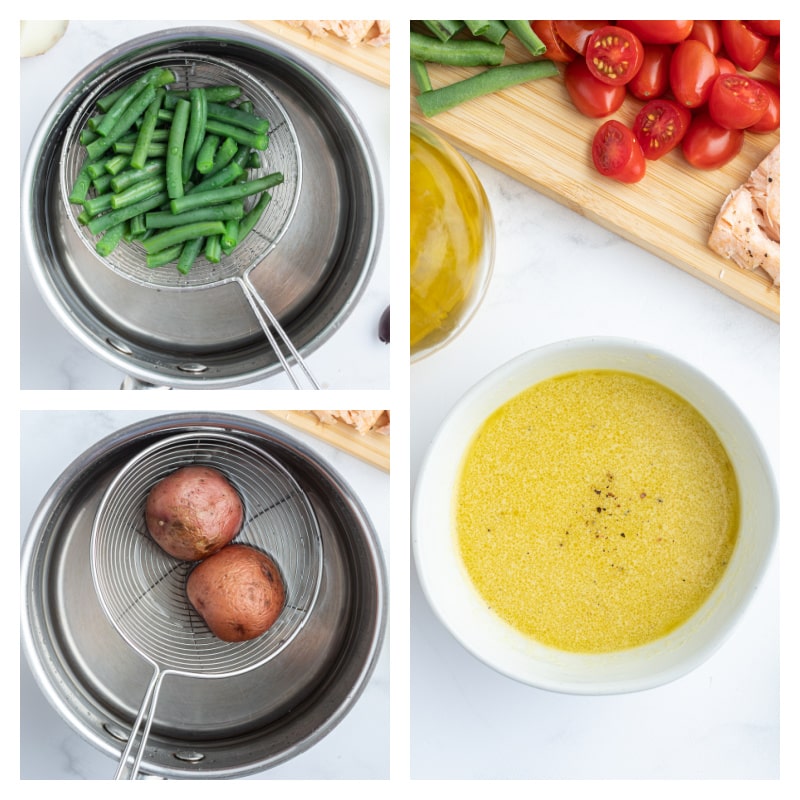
<point>142,589</point>
<point>128,259</point>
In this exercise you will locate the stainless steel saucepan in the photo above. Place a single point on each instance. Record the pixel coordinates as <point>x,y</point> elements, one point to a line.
<point>211,337</point>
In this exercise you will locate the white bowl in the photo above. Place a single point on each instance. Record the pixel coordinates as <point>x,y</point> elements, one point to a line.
<point>457,603</point>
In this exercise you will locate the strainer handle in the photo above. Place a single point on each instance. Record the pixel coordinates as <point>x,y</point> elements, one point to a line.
<point>267,321</point>
<point>146,714</point>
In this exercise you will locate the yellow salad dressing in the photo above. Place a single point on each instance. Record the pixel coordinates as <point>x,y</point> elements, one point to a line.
<point>596,511</point>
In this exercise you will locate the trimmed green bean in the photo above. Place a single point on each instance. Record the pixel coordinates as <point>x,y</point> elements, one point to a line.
<point>251,218</point>
<point>259,141</point>
<point>128,177</point>
<point>182,233</point>
<point>96,148</point>
<point>419,72</point>
<point>521,28</point>
<point>227,175</point>
<point>234,192</point>
<point>230,238</point>
<point>108,100</point>
<point>156,149</point>
<point>196,130</point>
<point>81,185</point>
<point>495,30</point>
<point>444,29</point>
<point>139,191</point>
<point>117,163</point>
<point>189,253</point>
<point>491,80</point>
<point>146,131</point>
<point>234,209</point>
<point>177,137</point>
<point>215,94</point>
<point>237,116</point>
<point>205,156</point>
<point>102,183</point>
<point>105,221</point>
<point>460,52</point>
<point>137,228</point>
<point>97,204</point>
<point>213,251</point>
<point>162,257</point>
<point>153,78</point>
<point>227,150</point>
<point>111,238</point>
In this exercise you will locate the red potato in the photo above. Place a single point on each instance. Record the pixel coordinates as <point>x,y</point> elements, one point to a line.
<point>193,512</point>
<point>238,592</point>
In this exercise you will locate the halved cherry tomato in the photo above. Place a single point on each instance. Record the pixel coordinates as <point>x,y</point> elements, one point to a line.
<point>652,79</point>
<point>591,96</point>
<point>744,46</point>
<point>737,101</point>
<point>576,32</point>
<point>726,66</point>
<point>660,125</point>
<point>557,48</point>
<point>692,71</point>
<point>707,32</point>
<point>767,27</point>
<point>658,31</point>
<point>617,154</point>
<point>614,54</point>
<point>707,145</point>
<point>771,120</point>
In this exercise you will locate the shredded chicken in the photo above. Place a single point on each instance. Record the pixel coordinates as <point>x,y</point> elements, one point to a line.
<point>363,421</point>
<point>748,226</point>
<point>374,32</point>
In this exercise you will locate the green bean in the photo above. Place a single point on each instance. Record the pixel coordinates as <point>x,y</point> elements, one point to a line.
<point>444,29</point>
<point>102,183</point>
<point>86,136</point>
<point>234,209</point>
<point>234,192</point>
<point>97,204</point>
<point>110,239</point>
<point>189,253</point>
<point>108,100</point>
<point>195,131</point>
<point>146,130</point>
<point>460,52</point>
<point>227,175</point>
<point>81,185</point>
<point>139,191</point>
<point>237,116</point>
<point>521,28</point>
<point>98,167</point>
<point>494,30</point>
<point>419,72</point>
<point>205,155</point>
<point>127,178</point>
<point>227,150</point>
<point>241,135</point>
<point>177,137</point>
<point>156,150</point>
<point>117,163</point>
<point>213,251</point>
<point>491,80</point>
<point>251,218</point>
<point>105,221</point>
<point>163,257</point>
<point>137,227</point>
<point>182,233</point>
<point>215,94</point>
<point>230,238</point>
<point>153,78</point>
<point>96,148</point>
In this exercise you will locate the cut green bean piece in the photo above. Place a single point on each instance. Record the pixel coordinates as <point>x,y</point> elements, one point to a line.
<point>102,183</point>
<point>419,72</point>
<point>491,80</point>
<point>137,227</point>
<point>237,116</point>
<point>128,177</point>
<point>226,152</point>
<point>460,52</point>
<point>196,130</point>
<point>213,251</point>
<point>105,221</point>
<point>111,238</point>
<point>205,156</point>
<point>236,191</point>
<point>146,130</point>
<point>189,253</point>
<point>521,28</point>
<point>162,257</point>
<point>444,29</point>
<point>241,135</point>
<point>117,163</point>
<point>251,218</point>
<point>227,175</point>
<point>81,186</point>
<point>214,94</point>
<point>495,30</point>
<point>97,204</point>
<point>96,148</point>
<point>177,138</point>
<point>233,209</point>
<point>182,233</point>
<point>108,100</point>
<point>230,238</point>
<point>152,79</point>
<point>156,150</point>
<point>139,191</point>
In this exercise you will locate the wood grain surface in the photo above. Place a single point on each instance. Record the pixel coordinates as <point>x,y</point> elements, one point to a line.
<point>533,133</point>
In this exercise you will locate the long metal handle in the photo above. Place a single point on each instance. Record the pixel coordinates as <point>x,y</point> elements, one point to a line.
<point>146,714</point>
<point>267,321</point>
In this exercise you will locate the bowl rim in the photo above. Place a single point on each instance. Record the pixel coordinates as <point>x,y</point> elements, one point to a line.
<point>434,553</point>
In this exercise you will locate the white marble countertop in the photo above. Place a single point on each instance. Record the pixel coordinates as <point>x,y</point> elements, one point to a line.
<point>353,357</point>
<point>559,276</point>
<point>357,748</point>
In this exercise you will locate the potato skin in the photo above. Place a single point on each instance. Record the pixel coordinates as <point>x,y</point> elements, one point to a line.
<point>193,512</point>
<point>238,591</point>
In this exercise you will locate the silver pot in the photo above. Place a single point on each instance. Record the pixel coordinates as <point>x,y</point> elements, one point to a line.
<point>222,728</point>
<point>210,338</point>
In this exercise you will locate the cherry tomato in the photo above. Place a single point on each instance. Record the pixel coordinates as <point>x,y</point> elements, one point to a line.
<point>576,32</point>
<point>652,79</point>
<point>591,96</point>
<point>613,54</point>
<point>744,46</point>
<point>771,120</point>
<point>737,101</point>
<point>707,32</point>
<point>692,71</point>
<point>707,145</point>
<point>617,154</point>
<point>658,31</point>
<point>557,48</point>
<point>660,125</point>
<point>766,27</point>
<point>726,66</point>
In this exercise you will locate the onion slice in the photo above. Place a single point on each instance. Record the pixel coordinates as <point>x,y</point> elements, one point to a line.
<point>38,36</point>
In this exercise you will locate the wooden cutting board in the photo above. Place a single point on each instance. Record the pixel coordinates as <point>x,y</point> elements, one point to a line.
<point>370,447</point>
<point>534,134</point>
<point>365,60</point>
